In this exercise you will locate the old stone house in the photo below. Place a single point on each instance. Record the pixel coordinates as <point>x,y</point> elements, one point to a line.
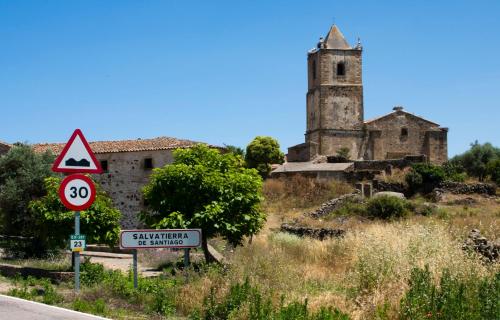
<point>127,165</point>
<point>335,113</point>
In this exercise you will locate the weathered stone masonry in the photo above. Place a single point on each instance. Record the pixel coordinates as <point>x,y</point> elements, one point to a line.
<point>335,113</point>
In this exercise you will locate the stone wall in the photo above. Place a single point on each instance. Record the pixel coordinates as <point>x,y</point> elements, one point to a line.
<point>383,165</point>
<point>125,178</point>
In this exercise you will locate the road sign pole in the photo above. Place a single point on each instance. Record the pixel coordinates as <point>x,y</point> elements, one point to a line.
<point>186,262</point>
<point>77,254</point>
<point>134,266</point>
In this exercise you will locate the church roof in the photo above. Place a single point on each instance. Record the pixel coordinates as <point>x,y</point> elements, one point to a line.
<point>335,39</point>
<point>399,110</point>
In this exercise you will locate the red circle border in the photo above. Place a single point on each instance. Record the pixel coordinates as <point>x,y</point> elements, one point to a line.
<point>67,180</point>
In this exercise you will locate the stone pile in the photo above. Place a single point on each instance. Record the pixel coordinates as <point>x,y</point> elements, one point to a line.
<point>467,188</point>
<point>334,204</point>
<point>476,242</point>
<point>316,233</point>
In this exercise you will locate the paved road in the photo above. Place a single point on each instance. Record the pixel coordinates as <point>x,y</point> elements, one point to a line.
<point>19,309</point>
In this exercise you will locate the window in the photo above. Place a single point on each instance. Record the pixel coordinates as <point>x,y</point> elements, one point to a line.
<point>104,165</point>
<point>340,69</point>
<point>148,163</point>
<point>314,69</point>
<point>404,132</point>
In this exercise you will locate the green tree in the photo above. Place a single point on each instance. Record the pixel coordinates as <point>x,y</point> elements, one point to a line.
<point>54,223</point>
<point>493,170</point>
<point>476,159</point>
<point>424,177</point>
<point>262,152</point>
<point>236,150</point>
<point>205,189</point>
<point>22,174</point>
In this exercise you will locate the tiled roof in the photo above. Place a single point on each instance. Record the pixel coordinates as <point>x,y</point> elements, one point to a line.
<point>160,143</point>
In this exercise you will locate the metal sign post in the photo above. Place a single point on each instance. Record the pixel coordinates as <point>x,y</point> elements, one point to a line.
<point>134,266</point>
<point>77,192</point>
<point>77,253</point>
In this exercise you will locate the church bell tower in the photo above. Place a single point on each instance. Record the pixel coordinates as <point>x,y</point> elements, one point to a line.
<point>335,96</point>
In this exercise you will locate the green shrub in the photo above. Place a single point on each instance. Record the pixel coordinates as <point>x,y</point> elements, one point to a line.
<point>452,299</point>
<point>41,290</point>
<point>97,306</point>
<point>386,207</point>
<point>424,177</point>
<point>54,224</point>
<point>494,171</point>
<point>454,172</point>
<point>22,174</point>
<point>258,307</point>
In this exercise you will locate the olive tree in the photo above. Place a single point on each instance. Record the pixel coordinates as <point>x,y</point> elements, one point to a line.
<point>206,189</point>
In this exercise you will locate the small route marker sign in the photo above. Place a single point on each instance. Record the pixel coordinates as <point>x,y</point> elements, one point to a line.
<point>77,242</point>
<point>166,238</point>
<point>77,192</point>
<point>77,157</point>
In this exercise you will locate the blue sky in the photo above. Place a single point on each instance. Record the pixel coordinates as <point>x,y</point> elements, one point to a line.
<point>227,71</point>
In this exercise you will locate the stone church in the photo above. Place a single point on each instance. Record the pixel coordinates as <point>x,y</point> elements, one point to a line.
<point>335,113</point>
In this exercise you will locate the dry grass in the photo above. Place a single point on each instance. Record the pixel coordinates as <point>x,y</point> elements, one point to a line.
<point>368,269</point>
<point>287,198</point>
<point>397,176</point>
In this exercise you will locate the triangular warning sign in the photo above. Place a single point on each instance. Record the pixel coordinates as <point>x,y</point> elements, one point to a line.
<point>77,157</point>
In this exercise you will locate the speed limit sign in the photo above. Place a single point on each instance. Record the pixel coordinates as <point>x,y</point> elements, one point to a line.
<point>77,192</point>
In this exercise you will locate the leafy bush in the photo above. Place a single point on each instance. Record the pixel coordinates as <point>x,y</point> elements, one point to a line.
<point>97,306</point>
<point>424,177</point>
<point>262,152</point>
<point>386,207</point>
<point>476,159</point>
<point>205,189</point>
<point>494,171</point>
<point>41,290</point>
<point>248,302</point>
<point>454,172</point>
<point>22,174</point>
<point>54,223</point>
<point>452,299</point>
<point>154,295</point>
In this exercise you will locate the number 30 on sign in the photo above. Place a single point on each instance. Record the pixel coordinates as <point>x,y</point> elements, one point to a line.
<point>77,192</point>
<point>77,242</point>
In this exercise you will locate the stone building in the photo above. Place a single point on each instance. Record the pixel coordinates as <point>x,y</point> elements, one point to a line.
<point>4,148</point>
<point>335,113</point>
<point>127,165</point>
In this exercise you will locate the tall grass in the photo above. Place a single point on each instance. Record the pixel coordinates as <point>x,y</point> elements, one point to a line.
<point>302,192</point>
<point>364,273</point>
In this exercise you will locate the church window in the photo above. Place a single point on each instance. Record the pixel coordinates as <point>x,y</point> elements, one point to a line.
<point>404,132</point>
<point>314,69</point>
<point>340,69</point>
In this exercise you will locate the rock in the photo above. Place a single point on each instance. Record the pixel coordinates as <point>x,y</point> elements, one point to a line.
<point>390,194</point>
<point>490,250</point>
<point>316,233</point>
<point>467,188</point>
<point>334,204</point>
